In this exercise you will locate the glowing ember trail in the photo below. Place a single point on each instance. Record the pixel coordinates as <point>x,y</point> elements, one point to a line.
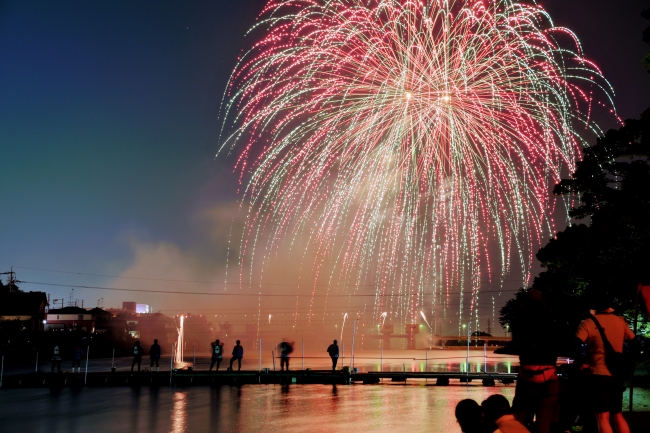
<point>408,145</point>
<point>425,319</point>
<point>180,341</point>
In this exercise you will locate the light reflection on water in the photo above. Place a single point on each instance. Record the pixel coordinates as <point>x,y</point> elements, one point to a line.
<point>416,406</point>
<point>249,408</point>
<point>179,413</point>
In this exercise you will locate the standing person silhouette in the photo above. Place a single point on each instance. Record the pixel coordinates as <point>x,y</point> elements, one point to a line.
<point>535,340</point>
<point>285,350</point>
<point>137,355</point>
<point>333,351</point>
<point>77,354</point>
<point>154,354</point>
<point>602,332</point>
<point>237,354</point>
<point>217,354</point>
<point>56,357</point>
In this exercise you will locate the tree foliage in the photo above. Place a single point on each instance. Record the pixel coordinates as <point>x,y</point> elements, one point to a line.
<point>608,254</point>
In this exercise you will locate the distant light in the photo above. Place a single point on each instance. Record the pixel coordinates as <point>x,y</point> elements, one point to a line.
<point>44,322</point>
<point>408,96</point>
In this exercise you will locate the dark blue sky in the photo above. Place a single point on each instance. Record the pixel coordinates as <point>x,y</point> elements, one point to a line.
<point>109,124</point>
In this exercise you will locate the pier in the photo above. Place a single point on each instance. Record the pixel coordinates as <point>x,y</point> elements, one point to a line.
<point>204,378</point>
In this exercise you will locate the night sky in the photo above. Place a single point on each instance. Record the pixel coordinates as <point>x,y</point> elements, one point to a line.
<point>109,126</point>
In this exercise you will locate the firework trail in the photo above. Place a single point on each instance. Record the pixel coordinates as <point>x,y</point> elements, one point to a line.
<point>345,316</point>
<point>425,319</point>
<point>403,142</point>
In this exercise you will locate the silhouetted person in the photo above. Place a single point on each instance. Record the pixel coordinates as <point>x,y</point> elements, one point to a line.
<point>498,418</point>
<point>77,356</point>
<point>56,357</point>
<point>217,354</point>
<point>237,354</point>
<point>535,341</point>
<point>604,392</point>
<point>137,355</point>
<point>333,351</point>
<point>285,351</point>
<point>154,354</point>
<point>469,416</point>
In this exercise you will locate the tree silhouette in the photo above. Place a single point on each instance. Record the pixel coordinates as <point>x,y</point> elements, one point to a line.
<point>608,254</point>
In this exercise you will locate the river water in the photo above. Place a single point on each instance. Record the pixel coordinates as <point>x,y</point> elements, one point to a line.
<point>417,406</point>
<point>247,408</point>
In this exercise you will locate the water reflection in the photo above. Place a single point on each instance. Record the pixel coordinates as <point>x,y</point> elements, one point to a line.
<point>154,405</point>
<point>53,405</point>
<point>215,406</point>
<point>135,403</point>
<point>179,414</point>
<point>386,408</point>
<point>285,399</point>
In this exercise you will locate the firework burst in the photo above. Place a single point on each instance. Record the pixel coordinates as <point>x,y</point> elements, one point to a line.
<point>408,140</point>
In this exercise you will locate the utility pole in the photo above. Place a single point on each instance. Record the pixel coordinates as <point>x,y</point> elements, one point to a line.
<point>11,282</point>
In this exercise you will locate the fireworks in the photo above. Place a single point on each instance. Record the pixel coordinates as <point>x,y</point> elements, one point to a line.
<point>407,141</point>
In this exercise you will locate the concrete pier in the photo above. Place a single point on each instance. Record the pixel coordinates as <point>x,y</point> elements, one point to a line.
<point>204,378</point>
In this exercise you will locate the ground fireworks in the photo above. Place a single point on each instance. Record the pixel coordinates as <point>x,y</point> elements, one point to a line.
<point>408,141</point>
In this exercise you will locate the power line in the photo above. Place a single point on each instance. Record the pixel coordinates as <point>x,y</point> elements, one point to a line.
<point>254,295</point>
<point>230,284</point>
